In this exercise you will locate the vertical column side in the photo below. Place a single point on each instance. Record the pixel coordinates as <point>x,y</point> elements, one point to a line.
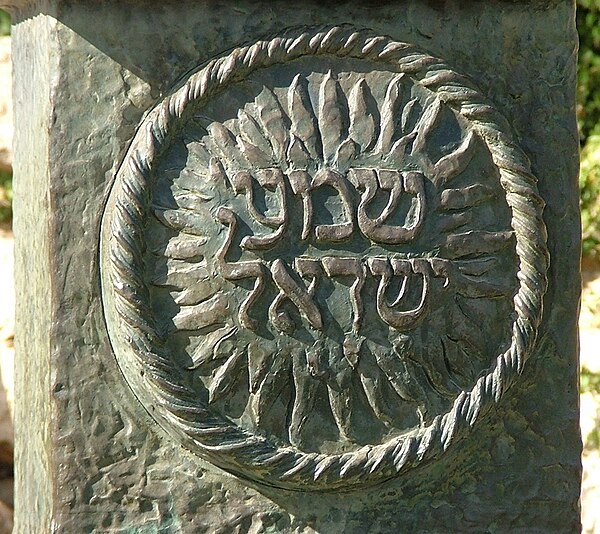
<point>33,60</point>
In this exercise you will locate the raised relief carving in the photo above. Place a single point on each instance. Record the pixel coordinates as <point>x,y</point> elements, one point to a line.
<point>323,259</point>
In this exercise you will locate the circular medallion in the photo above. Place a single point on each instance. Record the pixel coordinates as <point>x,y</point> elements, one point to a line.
<point>322,259</point>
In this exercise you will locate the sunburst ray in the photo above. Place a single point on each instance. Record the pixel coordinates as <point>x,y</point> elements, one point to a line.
<point>388,113</point>
<point>251,133</point>
<point>331,117</point>
<point>270,387</point>
<point>225,377</point>
<point>207,349</point>
<point>451,222</point>
<point>456,246</point>
<point>434,365</point>
<point>451,165</point>
<point>183,247</point>
<point>207,313</point>
<point>465,197</point>
<point>274,124</point>
<point>297,155</point>
<point>182,220</point>
<point>197,292</point>
<point>304,123</point>
<point>178,273</point>
<point>340,391</point>
<point>306,394</point>
<point>425,125</point>
<point>364,126</point>
<point>374,383</point>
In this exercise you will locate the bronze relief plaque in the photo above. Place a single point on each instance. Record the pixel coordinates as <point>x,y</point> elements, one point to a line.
<point>323,259</point>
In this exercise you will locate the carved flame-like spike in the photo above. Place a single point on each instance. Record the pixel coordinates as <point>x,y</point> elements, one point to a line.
<point>259,363</point>
<point>177,273</point>
<point>426,124</point>
<point>388,113</point>
<point>373,384</point>
<point>191,200</point>
<point>273,123</point>
<point>399,148</point>
<point>407,114</point>
<point>466,328</point>
<point>196,182</point>
<point>475,287</point>
<point>216,172</point>
<point>395,370</point>
<point>451,165</point>
<point>475,242</point>
<point>363,124</point>
<point>435,366</point>
<point>477,267</point>
<point>331,120</point>
<point>340,399</point>
<point>254,155</point>
<point>205,351</point>
<point>198,155</point>
<point>184,248</point>
<point>196,293</point>
<point>306,393</point>
<point>225,377</point>
<point>270,388</point>
<point>298,155</point>
<point>453,221</point>
<point>250,131</point>
<point>345,154</point>
<point>182,220</point>
<point>222,143</point>
<point>207,313</point>
<point>304,123</point>
<point>459,364</point>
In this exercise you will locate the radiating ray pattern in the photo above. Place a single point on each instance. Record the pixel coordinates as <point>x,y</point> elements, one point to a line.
<point>333,262</point>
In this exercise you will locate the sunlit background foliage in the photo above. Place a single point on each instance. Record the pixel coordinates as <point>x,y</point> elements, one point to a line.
<point>5,176</point>
<point>588,115</point>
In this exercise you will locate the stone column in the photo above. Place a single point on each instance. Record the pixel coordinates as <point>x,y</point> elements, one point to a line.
<point>296,266</point>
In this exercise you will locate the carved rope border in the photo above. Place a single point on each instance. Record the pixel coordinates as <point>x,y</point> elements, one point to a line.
<point>161,387</point>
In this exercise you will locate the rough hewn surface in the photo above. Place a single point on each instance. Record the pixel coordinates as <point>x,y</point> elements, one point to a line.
<point>33,319</point>
<point>109,466</point>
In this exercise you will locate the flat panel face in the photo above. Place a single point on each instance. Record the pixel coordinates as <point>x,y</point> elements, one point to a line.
<point>311,258</point>
<point>297,271</point>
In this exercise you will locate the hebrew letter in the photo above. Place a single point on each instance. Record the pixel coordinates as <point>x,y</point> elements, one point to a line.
<point>399,319</point>
<point>339,231</point>
<point>414,184</point>
<point>239,270</point>
<point>297,294</point>
<point>398,184</point>
<point>307,268</point>
<point>349,267</point>
<point>273,180</point>
<point>300,182</point>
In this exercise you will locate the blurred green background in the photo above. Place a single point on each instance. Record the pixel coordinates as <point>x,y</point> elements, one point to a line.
<point>5,176</point>
<point>588,115</point>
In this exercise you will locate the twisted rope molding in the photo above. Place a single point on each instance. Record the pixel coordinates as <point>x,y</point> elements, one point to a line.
<point>141,353</point>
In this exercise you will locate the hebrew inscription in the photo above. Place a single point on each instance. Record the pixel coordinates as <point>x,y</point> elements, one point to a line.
<point>320,266</point>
